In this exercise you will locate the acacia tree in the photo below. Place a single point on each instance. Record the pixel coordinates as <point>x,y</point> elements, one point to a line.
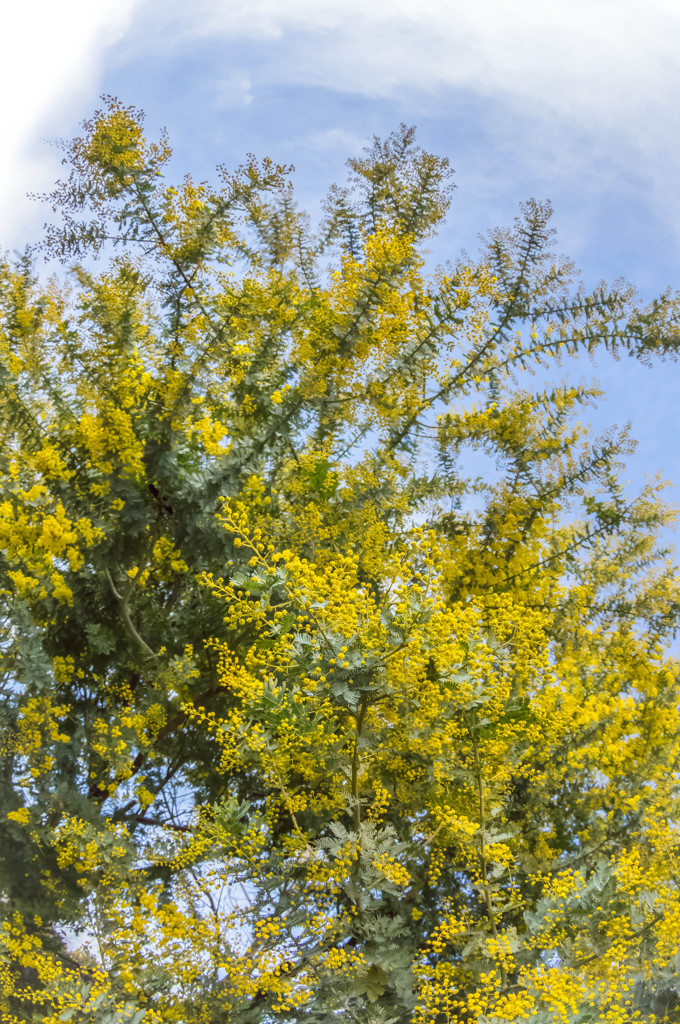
<point>299,721</point>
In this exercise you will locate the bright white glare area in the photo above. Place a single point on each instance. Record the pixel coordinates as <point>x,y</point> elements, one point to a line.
<point>50,57</point>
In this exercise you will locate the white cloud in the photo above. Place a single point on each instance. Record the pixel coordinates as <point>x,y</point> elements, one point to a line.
<point>50,54</point>
<point>601,58</point>
<point>589,80</point>
<point>595,81</point>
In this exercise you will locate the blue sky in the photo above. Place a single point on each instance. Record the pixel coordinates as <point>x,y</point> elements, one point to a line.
<point>571,100</point>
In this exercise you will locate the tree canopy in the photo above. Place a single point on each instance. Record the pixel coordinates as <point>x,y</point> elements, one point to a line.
<point>300,720</point>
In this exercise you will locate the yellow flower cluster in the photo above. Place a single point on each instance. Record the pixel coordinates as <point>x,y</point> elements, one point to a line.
<point>415,705</point>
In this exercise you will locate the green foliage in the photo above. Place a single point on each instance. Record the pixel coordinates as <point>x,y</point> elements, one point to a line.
<point>285,731</point>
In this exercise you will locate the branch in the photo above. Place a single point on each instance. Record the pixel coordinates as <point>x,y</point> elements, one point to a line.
<point>126,616</point>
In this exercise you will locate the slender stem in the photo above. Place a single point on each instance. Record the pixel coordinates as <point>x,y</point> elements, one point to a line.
<point>658,916</point>
<point>482,854</point>
<point>355,764</point>
<point>97,935</point>
<point>355,797</point>
<point>126,615</point>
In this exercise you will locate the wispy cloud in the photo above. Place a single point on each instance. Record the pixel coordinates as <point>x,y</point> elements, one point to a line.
<point>596,80</point>
<point>338,140</point>
<point>234,90</point>
<point>601,59</point>
<point>578,87</point>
